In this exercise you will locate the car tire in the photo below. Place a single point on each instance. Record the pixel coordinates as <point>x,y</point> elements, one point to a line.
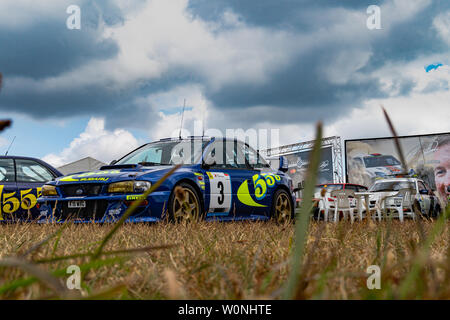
<point>436,211</point>
<point>417,209</point>
<point>184,204</point>
<point>282,210</point>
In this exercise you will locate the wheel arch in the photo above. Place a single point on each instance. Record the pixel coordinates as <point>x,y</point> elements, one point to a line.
<point>285,188</point>
<point>196,188</point>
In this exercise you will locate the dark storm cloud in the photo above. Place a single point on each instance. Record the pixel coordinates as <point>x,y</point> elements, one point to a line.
<point>50,49</point>
<point>281,13</point>
<point>303,85</point>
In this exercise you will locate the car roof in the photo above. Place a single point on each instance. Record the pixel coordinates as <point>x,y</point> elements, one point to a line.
<point>56,171</point>
<point>398,179</point>
<point>19,157</point>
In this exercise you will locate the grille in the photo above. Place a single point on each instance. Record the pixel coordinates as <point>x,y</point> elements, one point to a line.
<point>91,189</point>
<point>95,209</point>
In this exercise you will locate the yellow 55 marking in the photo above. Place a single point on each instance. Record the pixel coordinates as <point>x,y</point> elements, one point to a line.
<point>10,203</point>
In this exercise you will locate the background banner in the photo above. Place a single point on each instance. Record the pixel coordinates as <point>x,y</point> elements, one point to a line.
<point>298,164</point>
<point>427,156</point>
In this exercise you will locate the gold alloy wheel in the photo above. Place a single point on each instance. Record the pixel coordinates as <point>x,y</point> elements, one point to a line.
<point>185,206</point>
<point>283,208</point>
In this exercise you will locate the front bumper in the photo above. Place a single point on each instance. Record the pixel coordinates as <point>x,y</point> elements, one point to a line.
<point>106,208</point>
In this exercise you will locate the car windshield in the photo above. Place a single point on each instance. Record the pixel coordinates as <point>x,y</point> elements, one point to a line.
<point>392,186</point>
<point>380,161</point>
<point>329,187</point>
<point>166,153</point>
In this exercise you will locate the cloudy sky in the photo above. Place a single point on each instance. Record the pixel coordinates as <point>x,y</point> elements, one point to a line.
<point>122,78</point>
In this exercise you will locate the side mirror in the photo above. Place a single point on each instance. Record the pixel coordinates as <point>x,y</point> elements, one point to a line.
<point>113,162</point>
<point>283,164</point>
<point>423,191</point>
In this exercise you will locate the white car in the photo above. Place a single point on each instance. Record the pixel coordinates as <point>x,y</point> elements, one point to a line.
<point>378,165</point>
<point>328,202</point>
<point>423,197</point>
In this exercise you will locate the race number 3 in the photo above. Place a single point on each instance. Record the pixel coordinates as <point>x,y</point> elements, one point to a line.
<point>220,191</point>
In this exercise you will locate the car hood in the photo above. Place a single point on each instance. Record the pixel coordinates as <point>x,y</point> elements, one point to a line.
<point>111,174</point>
<point>379,195</point>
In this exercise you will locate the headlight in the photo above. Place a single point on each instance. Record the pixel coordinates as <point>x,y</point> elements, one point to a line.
<point>129,187</point>
<point>141,186</point>
<point>48,190</point>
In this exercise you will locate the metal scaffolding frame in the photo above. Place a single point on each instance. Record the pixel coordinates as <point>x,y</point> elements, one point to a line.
<point>334,142</point>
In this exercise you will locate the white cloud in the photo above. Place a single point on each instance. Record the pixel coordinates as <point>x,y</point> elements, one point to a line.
<point>417,114</point>
<point>96,142</point>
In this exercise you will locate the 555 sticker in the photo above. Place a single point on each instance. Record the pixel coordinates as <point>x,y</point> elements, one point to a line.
<point>261,183</point>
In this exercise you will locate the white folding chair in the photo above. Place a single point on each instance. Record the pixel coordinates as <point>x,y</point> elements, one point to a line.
<point>360,203</point>
<point>398,202</point>
<point>342,203</point>
<point>326,206</point>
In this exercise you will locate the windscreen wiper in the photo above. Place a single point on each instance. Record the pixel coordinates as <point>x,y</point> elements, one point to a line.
<point>148,164</point>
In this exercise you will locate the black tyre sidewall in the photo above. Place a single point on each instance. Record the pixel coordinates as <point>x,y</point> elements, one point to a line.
<point>274,201</point>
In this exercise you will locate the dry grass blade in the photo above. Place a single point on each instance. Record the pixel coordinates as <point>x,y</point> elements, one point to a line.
<point>131,209</point>
<point>106,253</point>
<point>41,243</point>
<point>396,141</point>
<point>423,255</point>
<point>25,282</point>
<point>5,124</point>
<point>301,230</point>
<point>40,274</point>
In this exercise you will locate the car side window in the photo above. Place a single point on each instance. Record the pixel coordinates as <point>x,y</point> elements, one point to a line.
<point>7,172</point>
<point>32,171</point>
<point>422,186</point>
<point>226,155</point>
<point>252,157</point>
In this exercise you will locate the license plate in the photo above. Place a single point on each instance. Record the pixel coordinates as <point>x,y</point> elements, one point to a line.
<point>76,204</point>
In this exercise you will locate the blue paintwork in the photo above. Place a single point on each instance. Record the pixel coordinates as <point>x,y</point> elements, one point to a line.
<point>156,209</point>
<point>17,189</point>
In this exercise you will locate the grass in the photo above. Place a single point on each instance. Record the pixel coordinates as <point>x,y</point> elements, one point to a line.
<point>227,260</point>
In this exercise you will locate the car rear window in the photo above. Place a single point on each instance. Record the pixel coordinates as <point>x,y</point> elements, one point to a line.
<point>7,173</point>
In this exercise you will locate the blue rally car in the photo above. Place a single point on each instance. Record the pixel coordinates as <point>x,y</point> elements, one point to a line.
<point>21,180</point>
<point>222,179</point>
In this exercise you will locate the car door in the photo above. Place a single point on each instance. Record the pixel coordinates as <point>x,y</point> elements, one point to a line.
<point>8,189</point>
<point>424,199</point>
<point>262,180</point>
<point>31,176</point>
<point>225,176</point>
